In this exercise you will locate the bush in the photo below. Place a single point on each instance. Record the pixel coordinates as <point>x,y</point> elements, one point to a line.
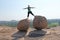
<point>53,24</point>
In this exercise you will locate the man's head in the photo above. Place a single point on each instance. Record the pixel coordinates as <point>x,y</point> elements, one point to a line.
<point>28,5</point>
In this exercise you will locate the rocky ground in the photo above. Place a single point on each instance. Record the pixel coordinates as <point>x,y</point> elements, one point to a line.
<point>11,33</point>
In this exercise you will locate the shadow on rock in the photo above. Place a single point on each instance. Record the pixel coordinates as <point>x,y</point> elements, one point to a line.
<point>18,35</point>
<point>37,33</point>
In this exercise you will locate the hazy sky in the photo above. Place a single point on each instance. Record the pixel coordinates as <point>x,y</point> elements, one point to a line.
<point>13,9</point>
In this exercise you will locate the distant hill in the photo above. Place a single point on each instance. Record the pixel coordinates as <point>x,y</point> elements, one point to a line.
<point>54,21</point>
<point>13,23</point>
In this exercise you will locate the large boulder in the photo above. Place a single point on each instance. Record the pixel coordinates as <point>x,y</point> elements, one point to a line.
<point>39,22</point>
<point>23,25</point>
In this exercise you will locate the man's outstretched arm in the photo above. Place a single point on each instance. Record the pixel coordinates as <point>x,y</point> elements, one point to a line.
<point>32,7</point>
<point>25,8</point>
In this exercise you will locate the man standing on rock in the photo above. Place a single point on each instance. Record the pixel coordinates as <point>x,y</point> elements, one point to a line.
<point>29,11</point>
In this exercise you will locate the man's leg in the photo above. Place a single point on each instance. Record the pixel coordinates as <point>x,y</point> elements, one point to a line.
<point>28,14</point>
<point>32,13</point>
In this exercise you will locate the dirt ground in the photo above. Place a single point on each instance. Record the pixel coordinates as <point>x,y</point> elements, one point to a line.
<point>11,33</point>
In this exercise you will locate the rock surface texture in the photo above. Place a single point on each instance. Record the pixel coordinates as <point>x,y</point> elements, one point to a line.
<point>23,25</point>
<point>39,22</point>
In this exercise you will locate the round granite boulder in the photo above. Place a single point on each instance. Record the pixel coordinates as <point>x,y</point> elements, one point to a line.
<point>23,25</point>
<point>39,22</point>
